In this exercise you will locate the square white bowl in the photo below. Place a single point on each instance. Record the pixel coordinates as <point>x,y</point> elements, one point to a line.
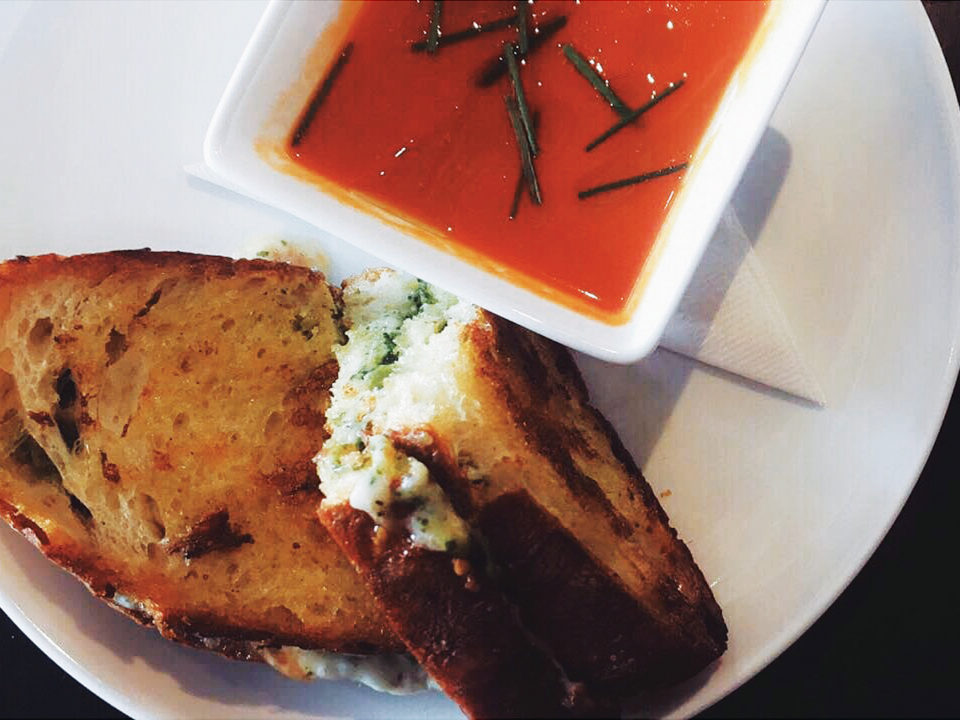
<point>271,85</point>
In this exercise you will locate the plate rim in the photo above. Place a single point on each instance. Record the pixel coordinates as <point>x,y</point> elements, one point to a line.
<point>936,61</point>
<point>780,643</point>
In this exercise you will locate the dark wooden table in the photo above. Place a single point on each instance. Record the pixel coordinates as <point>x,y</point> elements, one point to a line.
<point>888,647</point>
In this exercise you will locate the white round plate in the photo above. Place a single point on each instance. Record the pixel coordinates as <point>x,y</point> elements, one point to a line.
<point>852,200</point>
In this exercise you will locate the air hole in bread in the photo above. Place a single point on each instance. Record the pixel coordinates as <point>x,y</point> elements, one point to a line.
<point>273,425</point>
<point>228,324</point>
<point>152,518</point>
<point>38,466</point>
<point>65,414</point>
<point>66,389</point>
<point>180,421</point>
<point>151,301</point>
<point>116,346</point>
<point>80,510</point>
<point>283,616</point>
<point>40,334</point>
<point>303,325</point>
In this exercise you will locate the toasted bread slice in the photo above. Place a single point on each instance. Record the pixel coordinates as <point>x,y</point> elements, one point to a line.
<point>500,420</point>
<point>159,416</point>
<point>457,623</point>
<point>431,580</point>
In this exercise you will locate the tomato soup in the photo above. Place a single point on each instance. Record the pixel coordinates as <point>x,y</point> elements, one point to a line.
<point>415,116</point>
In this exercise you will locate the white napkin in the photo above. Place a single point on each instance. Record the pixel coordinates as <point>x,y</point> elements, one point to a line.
<point>729,317</point>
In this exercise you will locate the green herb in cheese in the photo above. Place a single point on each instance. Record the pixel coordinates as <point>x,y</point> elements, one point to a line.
<point>380,369</point>
<point>380,476</point>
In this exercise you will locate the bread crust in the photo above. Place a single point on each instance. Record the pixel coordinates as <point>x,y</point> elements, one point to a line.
<point>584,547</point>
<point>630,642</point>
<point>608,640</point>
<point>597,630</point>
<point>669,631</point>
<point>456,623</point>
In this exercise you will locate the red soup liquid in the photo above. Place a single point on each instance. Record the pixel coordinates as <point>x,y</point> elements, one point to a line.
<point>417,135</point>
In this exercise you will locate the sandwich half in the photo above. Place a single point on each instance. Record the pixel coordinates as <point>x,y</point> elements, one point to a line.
<point>159,413</point>
<point>458,437</point>
<point>160,418</point>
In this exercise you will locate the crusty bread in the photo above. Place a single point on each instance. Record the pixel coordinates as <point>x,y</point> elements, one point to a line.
<point>457,623</point>
<point>434,392</point>
<point>158,417</point>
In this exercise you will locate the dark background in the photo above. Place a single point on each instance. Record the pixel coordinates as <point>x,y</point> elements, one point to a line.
<point>890,646</point>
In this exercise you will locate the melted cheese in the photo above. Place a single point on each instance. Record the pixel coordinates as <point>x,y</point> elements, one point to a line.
<point>394,674</point>
<point>384,374</point>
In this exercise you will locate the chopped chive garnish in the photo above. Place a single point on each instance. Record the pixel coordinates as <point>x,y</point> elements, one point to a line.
<point>433,37</point>
<point>510,53</point>
<point>593,77</point>
<point>635,114</point>
<point>523,42</point>
<point>526,157</point>
<point>517,194</point>
<point>495,68</point>
<point>320,95</point>
<point>521,179</point>
<point>466,34</point>
<point>584,194</point>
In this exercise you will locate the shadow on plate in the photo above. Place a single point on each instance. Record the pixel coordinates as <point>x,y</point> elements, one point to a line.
<point>658,380</point>
<point>761,182</point>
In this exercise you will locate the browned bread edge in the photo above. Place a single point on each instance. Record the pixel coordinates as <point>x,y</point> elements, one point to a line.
<point>599,632</point>
<point>456,623</point>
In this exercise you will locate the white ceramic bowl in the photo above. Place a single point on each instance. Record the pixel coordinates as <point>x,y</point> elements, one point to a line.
<point>269,88</point>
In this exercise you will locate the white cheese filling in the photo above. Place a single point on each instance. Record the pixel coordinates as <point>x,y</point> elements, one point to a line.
<point>394,375</point>
<point>390,673</point>
<point>129,603</point>
<point>380,476</point>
